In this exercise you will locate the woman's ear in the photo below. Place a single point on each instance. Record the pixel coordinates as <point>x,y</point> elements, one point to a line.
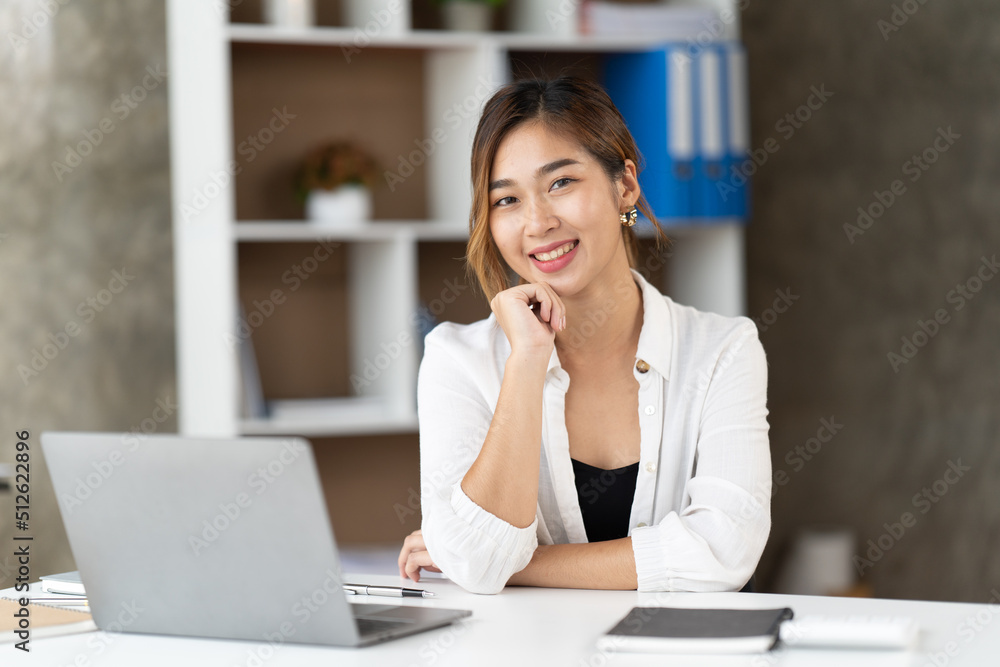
<point>628,184</point>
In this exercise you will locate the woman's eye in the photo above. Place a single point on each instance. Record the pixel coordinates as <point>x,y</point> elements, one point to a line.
<point>503,201</point>
<point>563,181</point>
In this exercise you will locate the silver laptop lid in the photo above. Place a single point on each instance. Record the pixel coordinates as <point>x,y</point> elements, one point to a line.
<point>201,537</point>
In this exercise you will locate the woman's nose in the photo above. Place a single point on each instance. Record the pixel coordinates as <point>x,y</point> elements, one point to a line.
<point>540,218</point>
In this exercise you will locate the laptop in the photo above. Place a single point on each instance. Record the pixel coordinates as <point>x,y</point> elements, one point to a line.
<point>208,537</point>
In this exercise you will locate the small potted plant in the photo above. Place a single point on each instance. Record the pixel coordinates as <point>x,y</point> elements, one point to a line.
<point>335,182</point>
<point>469,14</point>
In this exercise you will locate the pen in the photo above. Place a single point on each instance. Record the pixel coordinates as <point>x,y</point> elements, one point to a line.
<point>387,591</point>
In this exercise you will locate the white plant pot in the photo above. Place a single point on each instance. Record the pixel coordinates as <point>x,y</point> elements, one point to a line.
<point>289,13</point>
<point>346,206</point>
<point>468,15</point>
<point>378,17</point>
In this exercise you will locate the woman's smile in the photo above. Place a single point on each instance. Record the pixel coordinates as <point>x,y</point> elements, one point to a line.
<point>556,259</point>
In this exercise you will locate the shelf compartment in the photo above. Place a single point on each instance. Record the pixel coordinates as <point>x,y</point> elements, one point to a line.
<point>287,100</point>
<point>380,230</point>
<point>252,33</point>
<point>320,417</point>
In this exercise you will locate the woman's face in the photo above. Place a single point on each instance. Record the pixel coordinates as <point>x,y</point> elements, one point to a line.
<point>554,214</point>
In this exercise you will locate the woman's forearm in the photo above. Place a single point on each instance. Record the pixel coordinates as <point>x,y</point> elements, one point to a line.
<point>599,565</point>
<point>503,479</point>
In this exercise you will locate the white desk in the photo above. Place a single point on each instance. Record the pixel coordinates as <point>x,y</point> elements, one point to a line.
<point>523,627</point>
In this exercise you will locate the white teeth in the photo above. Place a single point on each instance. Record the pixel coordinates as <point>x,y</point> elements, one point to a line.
<point>554,254</point>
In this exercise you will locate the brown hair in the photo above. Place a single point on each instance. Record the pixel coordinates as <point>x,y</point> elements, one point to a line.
<point>574,107</point>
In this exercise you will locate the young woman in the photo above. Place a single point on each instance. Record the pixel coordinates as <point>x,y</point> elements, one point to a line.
<point>591,433</point>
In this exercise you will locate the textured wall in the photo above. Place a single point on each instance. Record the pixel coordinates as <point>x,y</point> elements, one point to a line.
<point>79,348</point>
<point>898,86</point>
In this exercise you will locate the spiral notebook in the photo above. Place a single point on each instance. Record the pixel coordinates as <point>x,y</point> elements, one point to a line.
<point>43,621</point>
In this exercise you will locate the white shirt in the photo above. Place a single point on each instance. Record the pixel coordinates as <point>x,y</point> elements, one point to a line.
<point>701,512</point>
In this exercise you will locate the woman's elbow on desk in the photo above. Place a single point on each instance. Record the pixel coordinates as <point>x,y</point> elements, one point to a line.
<point>476,561</point>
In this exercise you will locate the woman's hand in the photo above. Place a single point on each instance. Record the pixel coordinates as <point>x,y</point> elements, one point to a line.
<point>414,556</point>
<point>530,315</point>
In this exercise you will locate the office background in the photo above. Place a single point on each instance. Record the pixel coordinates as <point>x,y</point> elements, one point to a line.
<point>848,296</point>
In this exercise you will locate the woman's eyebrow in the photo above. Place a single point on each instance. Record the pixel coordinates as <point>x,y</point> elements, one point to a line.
<point>542,171</point>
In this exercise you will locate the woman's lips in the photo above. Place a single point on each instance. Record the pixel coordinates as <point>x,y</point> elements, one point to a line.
<point>555,262</point>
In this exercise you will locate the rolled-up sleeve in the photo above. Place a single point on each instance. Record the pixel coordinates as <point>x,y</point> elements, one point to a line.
<point>715,541</point>
<point>473,547</point>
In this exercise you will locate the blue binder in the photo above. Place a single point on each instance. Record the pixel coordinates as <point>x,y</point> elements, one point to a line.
<point>653,90</point>
<point>737,183</point>
<point>711,123</point>
<point>687,111</point>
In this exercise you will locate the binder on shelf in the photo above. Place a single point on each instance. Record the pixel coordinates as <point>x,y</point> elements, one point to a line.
<point>252,404</point>
<point>736,181</point>
<point>654,92</point>
<point>711,122</point>
<point>687,110</point>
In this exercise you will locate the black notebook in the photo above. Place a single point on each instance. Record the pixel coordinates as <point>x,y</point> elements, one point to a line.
<point>672,630</point>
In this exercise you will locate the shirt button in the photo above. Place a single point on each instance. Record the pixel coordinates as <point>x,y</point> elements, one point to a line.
<point>641,366</point>
<point>641,524</point>
<point>650,467</point>
<point>650,409</point>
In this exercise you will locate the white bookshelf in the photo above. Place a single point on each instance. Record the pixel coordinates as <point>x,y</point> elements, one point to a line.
<point>706,269</point>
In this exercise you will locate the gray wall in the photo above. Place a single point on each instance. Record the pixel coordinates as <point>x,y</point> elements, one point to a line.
<point>63,235</point>
<point>828,351</point>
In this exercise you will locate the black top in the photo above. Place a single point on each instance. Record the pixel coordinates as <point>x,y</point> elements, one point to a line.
<point>605,499</point>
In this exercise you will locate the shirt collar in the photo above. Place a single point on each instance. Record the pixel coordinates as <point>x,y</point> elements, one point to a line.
<point>656,336</point>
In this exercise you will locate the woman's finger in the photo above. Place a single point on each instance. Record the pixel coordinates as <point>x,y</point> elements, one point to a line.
<point>413,541</point>
<point>417,560</point>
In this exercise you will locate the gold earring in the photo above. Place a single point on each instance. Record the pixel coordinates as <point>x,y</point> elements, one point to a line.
<point>628,217</point>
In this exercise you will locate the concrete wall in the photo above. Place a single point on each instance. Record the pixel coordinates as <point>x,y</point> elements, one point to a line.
<point>81,348</point>
<point>855,293</point>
